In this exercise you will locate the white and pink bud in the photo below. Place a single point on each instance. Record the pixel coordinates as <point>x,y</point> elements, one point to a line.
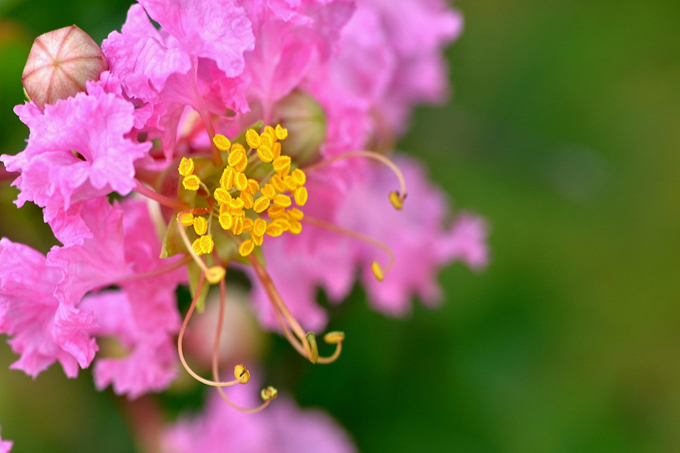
<point>59,64</point>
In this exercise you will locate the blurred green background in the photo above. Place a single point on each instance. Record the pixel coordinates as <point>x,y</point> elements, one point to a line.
<point>563,132</point>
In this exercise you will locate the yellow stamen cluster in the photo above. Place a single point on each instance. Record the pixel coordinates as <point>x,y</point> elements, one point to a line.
<point>238,194</point>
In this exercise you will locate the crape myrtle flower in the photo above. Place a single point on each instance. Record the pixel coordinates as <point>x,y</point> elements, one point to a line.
<point>261,141</point>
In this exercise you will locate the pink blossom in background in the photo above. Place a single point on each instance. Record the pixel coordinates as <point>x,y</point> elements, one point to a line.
<point>5,446</point>
<point>282,428</point>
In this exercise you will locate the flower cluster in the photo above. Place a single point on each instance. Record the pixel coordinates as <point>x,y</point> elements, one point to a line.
<point>222,119</point>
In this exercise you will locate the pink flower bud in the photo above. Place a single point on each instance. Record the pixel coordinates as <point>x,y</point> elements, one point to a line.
<point>59,64</point>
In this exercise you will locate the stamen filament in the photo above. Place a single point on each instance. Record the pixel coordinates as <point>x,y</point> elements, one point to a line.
<point>353,234</point>
<point>161,199</point>
<point>215,271</point>
<point>368,155</point>
<point>216,353</point>
<point>160,271</point>
<point>180,340</point>
<point>333,357</point>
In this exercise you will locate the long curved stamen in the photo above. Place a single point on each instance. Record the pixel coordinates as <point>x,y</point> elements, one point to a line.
<point>153,195</point>
<point>180,340</point>
<point>396,198</point>
<point>216,353</point>
<point>159,271</point>
<point>377,269</point>
<point>213,274</point>
<point>278,303</point>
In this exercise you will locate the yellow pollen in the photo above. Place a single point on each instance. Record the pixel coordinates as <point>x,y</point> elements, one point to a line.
<point>235,156</point>
<point>253,186</point>
<point>295,227</point>
<point>241,181</point>
<point>396,200</point>
<point>281,133</point>
<point>196,246</point>
<point>236,204</point>
<point>186,166</point>
<point>246,248</point>
<point>261,204</point>
<point>282,163</point>
<point>247,225</point>
<point>247,200</point>
<point>276,149</point>
<point>268,130</point>
<point>238,226</point>
<point>265,153</point>
<point>267,140</point>
<point>241,374</point>
<point>268,191</point>
<point>290,183</point>
<point>260,227</point>
<point>296,214</point>
<point>191,182</point>
<point>274,229</point>
<point>186,218</point>
<point>276,211</point>
<point>227,179</point>
<point>207,244</point>
<point>222,142</point>
<point>301,196</point>
<point>215,274</point>
<point>377,271</point>
<point>334,337</point>
<point>299,176</point>
<point>200,226</point>
<point>226,220</point>
<point>257,240</point>
<point>278,184</point>
<point>253,138</point>
<point>269,393</point>
<point>282,200</point>
<point>222,196</point>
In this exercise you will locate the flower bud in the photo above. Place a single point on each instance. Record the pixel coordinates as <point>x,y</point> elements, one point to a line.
<point>305,120</point>
<point>59,64</point>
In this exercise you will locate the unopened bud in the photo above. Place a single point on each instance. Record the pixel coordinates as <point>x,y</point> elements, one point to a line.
<point>59,64</point>
<point>305,120</point>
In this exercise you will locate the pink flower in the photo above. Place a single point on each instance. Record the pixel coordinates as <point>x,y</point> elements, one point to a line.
<point>77,150</point>
<point>42,329</point>
<point>5,446</point>
<point>283,428</point>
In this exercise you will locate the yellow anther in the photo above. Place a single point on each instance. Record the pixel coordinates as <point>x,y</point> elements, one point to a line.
<point>267,140</point>
<point>227,179</point>
<point>196,246</point>
<point>241,181</point>
<point>247,199</point>
<point>237,228</point>
<point>237,147</point>
<point>215,274</point>
<point>241,374</point>
<point>268,191</point>
<point>226,220</point>
<point>246,248</point>
<point>260,227</point>
<point>247,225</point>
<point>241,165</point>
<point>235,156</point>
<point>265,153</point>
<point>253,138</point>
<point>253,186</point>
<point>278,184</point>
<point>257,240</point>
<point>377,271</point>
<point>282,200</point>
<point>301,196</point>
<point>296,214</point>
<point>268,130</point>
<point>186,218</point>
<point>290,183</point>
<point>274,229</point>
<point>299,176</point>
<point>222,196</point>
<point>191,182</point>
<point>186,166</point>
<point>222,142</point>
<point>283,223</point>
<point>334,337</point>
<point>295,227</point>
<point>207,243</point>
<point>282,163</point>
<point>269,393</point>
<point>236,204</point>
<point>396,200</point>
<point>261,204</point>
<point>281,132</point>
<point>276,149</point>
<point>200,225</point>
<point>276,211</point>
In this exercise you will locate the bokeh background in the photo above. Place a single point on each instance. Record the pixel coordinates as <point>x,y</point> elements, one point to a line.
<point>564,132</point>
